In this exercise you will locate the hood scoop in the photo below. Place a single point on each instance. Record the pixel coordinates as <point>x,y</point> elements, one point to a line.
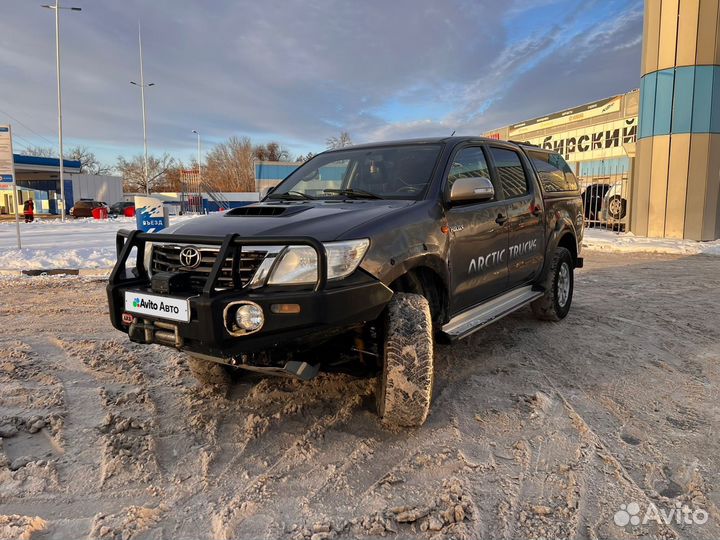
<point>265,210</point>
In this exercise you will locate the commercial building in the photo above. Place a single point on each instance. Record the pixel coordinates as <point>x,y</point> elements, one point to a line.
<point>597,139</point>
<point>38,178</point>
<point>660,143</point>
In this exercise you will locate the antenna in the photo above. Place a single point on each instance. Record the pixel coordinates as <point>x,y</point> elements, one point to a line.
<point>453,133</point>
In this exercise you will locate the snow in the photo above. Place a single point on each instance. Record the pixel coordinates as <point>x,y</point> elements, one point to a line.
<point>90,243</point>
<point>602,240</point>
<point>77,243</point>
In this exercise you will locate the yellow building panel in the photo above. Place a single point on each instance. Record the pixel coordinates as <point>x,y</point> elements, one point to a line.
<point>696,184</point>
<point>687,32</point>
<point>651,36</point>
<point>712,191</point>
<point>667,47</point>
<point>677,186</point>
<point>707,32</point>
<point>640,199</point>
<point>658,186</point>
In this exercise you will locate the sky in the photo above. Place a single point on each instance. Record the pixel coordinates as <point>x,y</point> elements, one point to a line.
<point>300,71</point>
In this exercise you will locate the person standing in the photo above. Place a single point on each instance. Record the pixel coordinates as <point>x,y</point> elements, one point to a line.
<point>29,210</point>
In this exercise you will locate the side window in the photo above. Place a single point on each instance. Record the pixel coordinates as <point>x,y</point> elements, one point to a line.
<point>570,179</point>
<point>549,172</point>
<point>469,163</point>
<point>511,172</point>
<point>555,174</point>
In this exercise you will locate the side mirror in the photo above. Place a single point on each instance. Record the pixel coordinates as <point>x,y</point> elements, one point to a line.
<point>475,189</point>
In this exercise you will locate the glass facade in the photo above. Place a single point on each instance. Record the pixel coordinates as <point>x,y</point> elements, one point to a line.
<point>680,100</point>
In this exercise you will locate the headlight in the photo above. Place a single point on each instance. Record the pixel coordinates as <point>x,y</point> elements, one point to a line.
<point>344,257</point>
<point>298,264</point>
<point>147,257</point>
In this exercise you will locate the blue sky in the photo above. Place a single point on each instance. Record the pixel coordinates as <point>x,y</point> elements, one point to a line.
<point>300,71</point>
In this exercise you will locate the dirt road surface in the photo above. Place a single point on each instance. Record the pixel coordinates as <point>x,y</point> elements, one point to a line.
<point>537,429</point>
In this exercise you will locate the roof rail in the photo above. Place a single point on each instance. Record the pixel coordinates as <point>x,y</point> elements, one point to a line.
<point>525,143</point>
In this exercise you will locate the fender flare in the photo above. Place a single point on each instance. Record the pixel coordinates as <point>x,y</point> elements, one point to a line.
<point>563,227</point>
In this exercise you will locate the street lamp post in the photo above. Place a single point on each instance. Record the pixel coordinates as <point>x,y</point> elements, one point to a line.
<point>142,86</point>
<point>199,182</point>
<point>56,6</point>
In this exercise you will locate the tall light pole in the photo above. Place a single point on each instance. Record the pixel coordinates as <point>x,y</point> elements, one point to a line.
<point>142,86</point>
<point>57,9</point>
<point>196,132</point>
<point>199,180</point>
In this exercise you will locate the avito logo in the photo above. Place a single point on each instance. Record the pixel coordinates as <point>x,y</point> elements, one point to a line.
<point>143,303</point>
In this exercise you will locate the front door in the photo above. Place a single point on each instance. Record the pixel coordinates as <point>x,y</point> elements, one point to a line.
<point>526,241</point>
<point>478,237</point>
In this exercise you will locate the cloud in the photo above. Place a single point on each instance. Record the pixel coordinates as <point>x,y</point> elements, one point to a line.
<point>299,71</point>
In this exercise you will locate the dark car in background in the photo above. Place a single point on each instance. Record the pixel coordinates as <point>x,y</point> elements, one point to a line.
<point>84,208</point>
<point>118,208</point>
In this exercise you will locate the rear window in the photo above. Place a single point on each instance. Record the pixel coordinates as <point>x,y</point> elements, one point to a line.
<point>83,204</point>
<point>554,172</point>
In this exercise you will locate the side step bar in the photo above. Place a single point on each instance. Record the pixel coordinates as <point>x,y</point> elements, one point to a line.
<point>474,319</point>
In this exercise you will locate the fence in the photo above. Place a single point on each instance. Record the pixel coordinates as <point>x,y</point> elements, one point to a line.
<point>605,189</point>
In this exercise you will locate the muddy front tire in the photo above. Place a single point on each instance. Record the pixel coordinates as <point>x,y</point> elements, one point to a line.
<point>405,384</point>
<point>554,305</point>
<point>207,372</point>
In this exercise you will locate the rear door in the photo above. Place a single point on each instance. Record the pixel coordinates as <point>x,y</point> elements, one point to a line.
<point>478,236</point>
<point>526,241</point>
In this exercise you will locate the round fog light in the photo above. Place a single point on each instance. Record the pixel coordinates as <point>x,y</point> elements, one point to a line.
<point>249,317</point>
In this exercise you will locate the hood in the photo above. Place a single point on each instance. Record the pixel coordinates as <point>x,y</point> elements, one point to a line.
<point>323,220</point>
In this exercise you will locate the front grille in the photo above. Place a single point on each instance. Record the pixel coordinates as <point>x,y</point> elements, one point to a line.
<point>166,258</point>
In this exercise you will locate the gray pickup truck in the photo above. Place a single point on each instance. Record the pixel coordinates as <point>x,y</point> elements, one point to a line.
<point>373,251</point>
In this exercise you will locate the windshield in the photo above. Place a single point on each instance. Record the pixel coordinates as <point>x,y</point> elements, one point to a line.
<point>387,172</point>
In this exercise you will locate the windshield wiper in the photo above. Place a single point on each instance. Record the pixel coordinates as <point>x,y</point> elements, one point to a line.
<point>353,193</point>
<point>291,195</point>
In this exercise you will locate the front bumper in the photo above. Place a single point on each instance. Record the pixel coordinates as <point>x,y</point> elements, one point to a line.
<point>324,310</point>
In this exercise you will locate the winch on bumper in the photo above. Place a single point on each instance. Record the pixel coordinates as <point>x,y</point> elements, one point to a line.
<point>291,315</point>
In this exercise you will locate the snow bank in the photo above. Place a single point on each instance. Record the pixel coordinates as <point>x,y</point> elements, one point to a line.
<point>90,243</point>
<point>77,243</point>
<point>599,240</point>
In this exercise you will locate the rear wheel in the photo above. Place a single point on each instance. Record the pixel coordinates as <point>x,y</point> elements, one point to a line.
<point>405,384</point>
<point>207,372</point>
<point>554,305</point>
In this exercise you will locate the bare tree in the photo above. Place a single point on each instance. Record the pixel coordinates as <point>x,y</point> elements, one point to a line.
<point>271,151</point>
<point>229,166</point>
<point>133,172</point>
<point>341,141</point>
<point>306,157</point>
<point>89,163</point>
<point>40,151</point>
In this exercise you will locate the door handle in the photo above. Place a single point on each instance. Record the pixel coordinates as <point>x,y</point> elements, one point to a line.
<point>501,219</point>
<point>535,209</point>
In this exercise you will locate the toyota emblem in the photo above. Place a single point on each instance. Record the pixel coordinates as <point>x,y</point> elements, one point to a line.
<point>190,257</point>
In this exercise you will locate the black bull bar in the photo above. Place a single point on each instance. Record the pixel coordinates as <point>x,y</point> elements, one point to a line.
<point>126,240</point>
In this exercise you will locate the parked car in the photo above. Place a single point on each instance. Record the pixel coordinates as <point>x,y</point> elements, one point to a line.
<point>387,246</point>
<point>85,207</point>
<point>593,198</point>
<point>615,203</point>
<point>118,208</point>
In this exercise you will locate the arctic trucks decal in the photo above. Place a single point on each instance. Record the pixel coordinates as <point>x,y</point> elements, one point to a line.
<point>492,259</point>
